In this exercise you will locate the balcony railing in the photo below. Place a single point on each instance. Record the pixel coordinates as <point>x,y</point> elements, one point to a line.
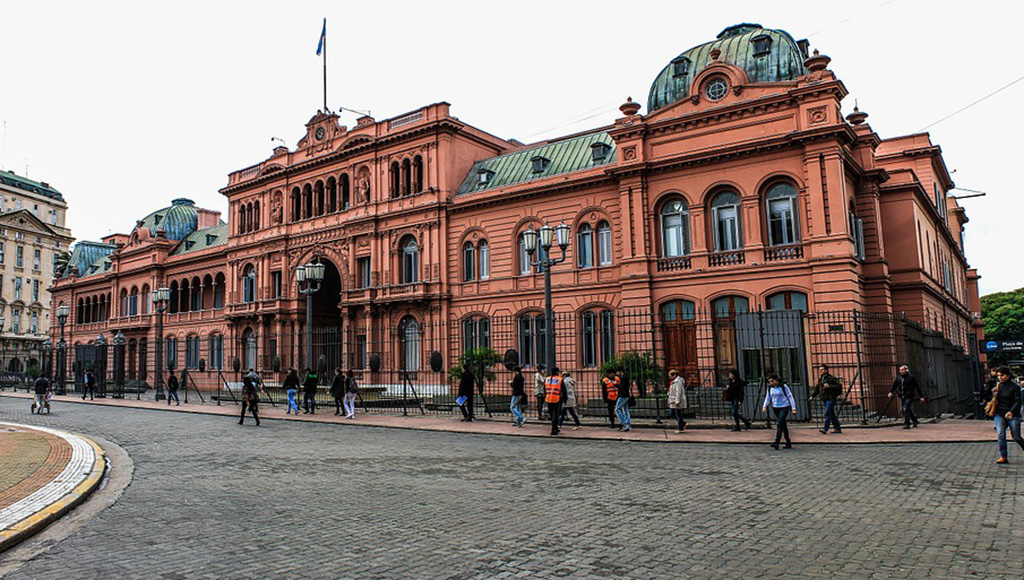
<point>672,264</point>
<point>727,258</point>
<point>782,253</point>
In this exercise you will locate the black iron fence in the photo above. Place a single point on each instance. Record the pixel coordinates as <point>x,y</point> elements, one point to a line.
<point>407,367</point>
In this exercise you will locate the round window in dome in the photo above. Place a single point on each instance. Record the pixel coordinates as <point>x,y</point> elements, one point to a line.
<point>716,89</point>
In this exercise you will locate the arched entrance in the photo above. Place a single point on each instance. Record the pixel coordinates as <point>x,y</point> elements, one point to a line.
<point>327,322</point>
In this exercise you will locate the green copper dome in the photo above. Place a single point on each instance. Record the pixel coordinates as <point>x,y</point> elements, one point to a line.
<point>765,55</point>
<point>179,220</point>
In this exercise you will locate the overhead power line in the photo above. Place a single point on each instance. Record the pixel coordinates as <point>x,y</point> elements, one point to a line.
<point>961,110</point>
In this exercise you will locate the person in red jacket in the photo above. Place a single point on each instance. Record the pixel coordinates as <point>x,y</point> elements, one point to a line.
<point>554,396</point>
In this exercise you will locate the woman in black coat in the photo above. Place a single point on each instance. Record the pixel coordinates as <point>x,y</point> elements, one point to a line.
<point>735,392</point>
<point>1007,411</point>
<point>466,384</point>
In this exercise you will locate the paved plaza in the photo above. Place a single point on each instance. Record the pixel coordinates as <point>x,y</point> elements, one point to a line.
<point>210,499</point>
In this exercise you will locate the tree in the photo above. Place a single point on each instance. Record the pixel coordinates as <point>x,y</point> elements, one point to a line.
<point>641,368</point>
<point>1003,315</point>
<point>479,361</point>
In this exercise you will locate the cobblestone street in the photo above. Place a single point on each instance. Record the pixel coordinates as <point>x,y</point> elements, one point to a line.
<point>211,499</point>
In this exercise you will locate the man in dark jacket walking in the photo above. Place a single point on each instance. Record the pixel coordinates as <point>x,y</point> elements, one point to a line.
<point>906,388</point>
<point>829,388</point>
<point>42,387</point>
<point>466,384</point>
<point>309,385</point>
<point>250,400</point>
<point>90,385</point>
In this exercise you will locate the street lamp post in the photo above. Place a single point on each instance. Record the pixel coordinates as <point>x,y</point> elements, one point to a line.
<point>63,311</point>
<point>309,276</point>
<point>100,364</point>
<point>48,359</point>
<point>161,297</point>
<point>548,236</point>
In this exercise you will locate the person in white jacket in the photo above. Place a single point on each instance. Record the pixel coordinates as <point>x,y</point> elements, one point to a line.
<point>677,398</point>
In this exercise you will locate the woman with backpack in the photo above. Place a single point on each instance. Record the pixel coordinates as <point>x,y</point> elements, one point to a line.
<point>250,400</point>
<point>351,392</point>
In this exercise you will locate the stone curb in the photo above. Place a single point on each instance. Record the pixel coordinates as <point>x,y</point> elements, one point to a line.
<point>49,512</point>
<point>594,433</point>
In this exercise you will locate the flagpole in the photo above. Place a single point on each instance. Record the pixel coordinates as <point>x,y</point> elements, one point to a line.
<point>326,110</point>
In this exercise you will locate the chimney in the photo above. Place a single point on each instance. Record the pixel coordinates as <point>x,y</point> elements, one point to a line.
<point>208,218</point>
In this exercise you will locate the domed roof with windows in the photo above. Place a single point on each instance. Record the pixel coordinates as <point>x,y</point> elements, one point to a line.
<point>179,220</point>
<point>766,56</point>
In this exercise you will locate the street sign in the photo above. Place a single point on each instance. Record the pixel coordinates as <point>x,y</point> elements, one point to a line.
<point>991,346</point>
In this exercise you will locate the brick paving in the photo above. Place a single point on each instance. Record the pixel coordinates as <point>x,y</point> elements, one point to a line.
<point>28,460</point>
<point>297,499</point>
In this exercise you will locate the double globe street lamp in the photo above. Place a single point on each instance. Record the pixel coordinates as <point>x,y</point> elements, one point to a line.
<point>63,312</point>
<point>310,277</point>
<point>161,299</point>
<point>547,236</point>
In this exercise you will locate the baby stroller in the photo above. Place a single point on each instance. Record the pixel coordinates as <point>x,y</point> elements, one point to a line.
<point>45,406</point>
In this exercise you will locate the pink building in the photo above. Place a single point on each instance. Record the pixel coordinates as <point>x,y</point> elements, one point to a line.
<point>741,203</point>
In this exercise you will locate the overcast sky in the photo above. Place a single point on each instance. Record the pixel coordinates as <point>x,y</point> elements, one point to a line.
<point>124,106</point>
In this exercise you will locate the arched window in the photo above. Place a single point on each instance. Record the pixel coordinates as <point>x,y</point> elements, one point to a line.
<point>249,284</point>
<point>192,351</point>
<point>184,295</point>
<point>417,174</point>
<point>468,261</point>
<point>296,205</point>
<point>319,196</point>
<point>484,256</point>
<point>675,229</point>
<point>725,216</point>
<point>332,195</point>
<point>144,305</point>
<point>730,306</point>
<point>248,217</point>
<point>476,333</point>
<point>410,260</point>
<point>346,193</point>
<point>255,215</point>
<point>406,177</point>
<point>678,310</point>
<point>307,202</point>
<point>133,302</point>
<point>171,352</point>
<point>241,218</point>
<point>396,179</point>
<point>525,259</point>
<point>218,290</point>
<point>782,216</point>
<point>585,246</point>
<point>604,244</point>
<point>409,337</point>
<point>172,302</point>
<point>196,295</point>
<point>787,301</point>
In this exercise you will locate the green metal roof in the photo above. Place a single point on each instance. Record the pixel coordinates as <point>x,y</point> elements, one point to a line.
<point>784,61</point>
<point>13,180</point>
<point>564,156</point>
<point>179,220</point>
<point>88,254</point>
<point>202,239</point>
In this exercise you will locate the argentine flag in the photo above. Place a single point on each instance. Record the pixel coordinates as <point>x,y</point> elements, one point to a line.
<point>323,38</point>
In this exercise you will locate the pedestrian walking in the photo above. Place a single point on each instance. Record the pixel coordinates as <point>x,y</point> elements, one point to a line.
<point>465,399</point>
<point>569,406</point>
<point>351,392</point>
<point>539,379</point>
<point>42,390</point>
<point>309,385</point>
<point>829,389</point>
<point>291,389</point>
<point>250,400</point>
<point>554,396</point>
<point>338,390</point>
<point>677,399</point>
<point>782,403</point>
<point>1004,407</point>
<point>623,400</point>
<point>610,395</point>
<point>518,383</point>
<point>906,388</point>
<point>735,392</point>
<point>90,385</point>
<point>172,389</point>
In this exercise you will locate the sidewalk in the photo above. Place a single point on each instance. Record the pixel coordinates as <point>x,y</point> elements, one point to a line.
<point>43,474</point>
<point>950,430</point>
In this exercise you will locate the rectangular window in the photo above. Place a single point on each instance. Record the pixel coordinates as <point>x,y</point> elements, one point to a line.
<point>607,335</point>
<point>485,260</point>
<point>781,222</point>
<point>360,353</point>
<point>363,268</point>
<point>857,231</point>
<point>19,257</point>
<point>16,320</point>
<point>17,288</point>
<point>588,340</point>
<point>526,342</point>
<point>727,229</point>
<point>35,290</point>
<point>275,282</point>
<point>217,351</point>
<point>604,245</point>
<point>133,305</point>
<point>468,334</point>
<point>2,245</point>
<point>192,352</point>
<point>35,323</point>
<point>585,248</point>
<point>524,258</point>
<point>37,259</point>
<point>171,352</point>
